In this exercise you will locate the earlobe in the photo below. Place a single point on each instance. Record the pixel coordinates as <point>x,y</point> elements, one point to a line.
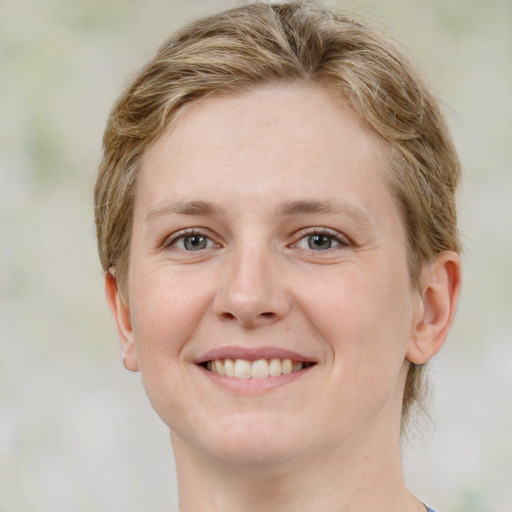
<point>441,281</point>
<point>123,321</point>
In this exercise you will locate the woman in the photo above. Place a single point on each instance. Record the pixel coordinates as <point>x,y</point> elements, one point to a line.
<point>276,220</point>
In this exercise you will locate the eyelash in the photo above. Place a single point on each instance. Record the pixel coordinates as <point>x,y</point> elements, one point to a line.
<point>340,240</point>
<point>171,240</point>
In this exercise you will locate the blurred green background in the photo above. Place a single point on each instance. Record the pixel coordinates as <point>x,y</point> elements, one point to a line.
<point>76,431</point>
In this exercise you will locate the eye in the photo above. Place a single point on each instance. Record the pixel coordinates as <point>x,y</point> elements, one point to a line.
<point>192,241</point>
<point>321,241</point>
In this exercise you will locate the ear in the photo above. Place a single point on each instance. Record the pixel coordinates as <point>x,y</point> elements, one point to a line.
<point>122,318</point>
<point>441,282</point>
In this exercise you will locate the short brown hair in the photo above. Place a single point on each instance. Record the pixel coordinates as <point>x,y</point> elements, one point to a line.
<point>259,43</point>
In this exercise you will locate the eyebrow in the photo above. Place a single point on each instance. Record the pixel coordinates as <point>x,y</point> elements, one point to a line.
<point>329,207</point>
<point>301,207</point>
<point>184,207</point>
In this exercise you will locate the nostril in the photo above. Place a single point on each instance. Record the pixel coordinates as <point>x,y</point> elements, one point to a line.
<point>227,315</point>
<point>249,320</point>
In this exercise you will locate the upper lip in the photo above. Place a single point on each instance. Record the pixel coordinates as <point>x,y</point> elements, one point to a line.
<point>252,354</point>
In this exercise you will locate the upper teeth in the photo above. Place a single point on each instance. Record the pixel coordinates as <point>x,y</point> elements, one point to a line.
<point>259,369</point>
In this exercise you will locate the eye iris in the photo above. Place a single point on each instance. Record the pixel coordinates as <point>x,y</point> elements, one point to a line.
<point>319,241</point>
<point>195,242</point>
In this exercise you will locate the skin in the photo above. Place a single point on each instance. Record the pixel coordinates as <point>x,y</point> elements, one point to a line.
<point>277,166</point>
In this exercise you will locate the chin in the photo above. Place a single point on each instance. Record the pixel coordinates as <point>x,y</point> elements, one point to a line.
<point>250,440</point>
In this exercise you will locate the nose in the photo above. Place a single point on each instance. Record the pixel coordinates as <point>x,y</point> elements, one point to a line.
<point>251,290</point>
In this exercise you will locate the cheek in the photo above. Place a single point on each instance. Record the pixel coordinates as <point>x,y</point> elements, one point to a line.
<point>167,306</point>
<point>365,325</point>
<point>364,319</point>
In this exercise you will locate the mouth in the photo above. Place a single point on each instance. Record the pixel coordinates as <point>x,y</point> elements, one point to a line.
<point>255,363</point>
<point>255,369</point>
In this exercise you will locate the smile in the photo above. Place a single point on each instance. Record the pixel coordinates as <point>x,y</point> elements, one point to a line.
<point>257,369</point>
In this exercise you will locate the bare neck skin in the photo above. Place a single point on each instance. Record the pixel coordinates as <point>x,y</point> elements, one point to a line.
<point>347,479</point>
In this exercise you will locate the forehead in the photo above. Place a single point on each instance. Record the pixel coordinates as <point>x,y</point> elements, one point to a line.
<point>296,131</point>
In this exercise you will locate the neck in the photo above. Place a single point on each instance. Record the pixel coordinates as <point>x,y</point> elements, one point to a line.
<point>342,480</point>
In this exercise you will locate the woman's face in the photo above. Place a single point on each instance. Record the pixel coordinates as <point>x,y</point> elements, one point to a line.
<point>264,233</point>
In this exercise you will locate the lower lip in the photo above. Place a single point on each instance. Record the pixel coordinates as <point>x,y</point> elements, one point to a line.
<point>254,386</point>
